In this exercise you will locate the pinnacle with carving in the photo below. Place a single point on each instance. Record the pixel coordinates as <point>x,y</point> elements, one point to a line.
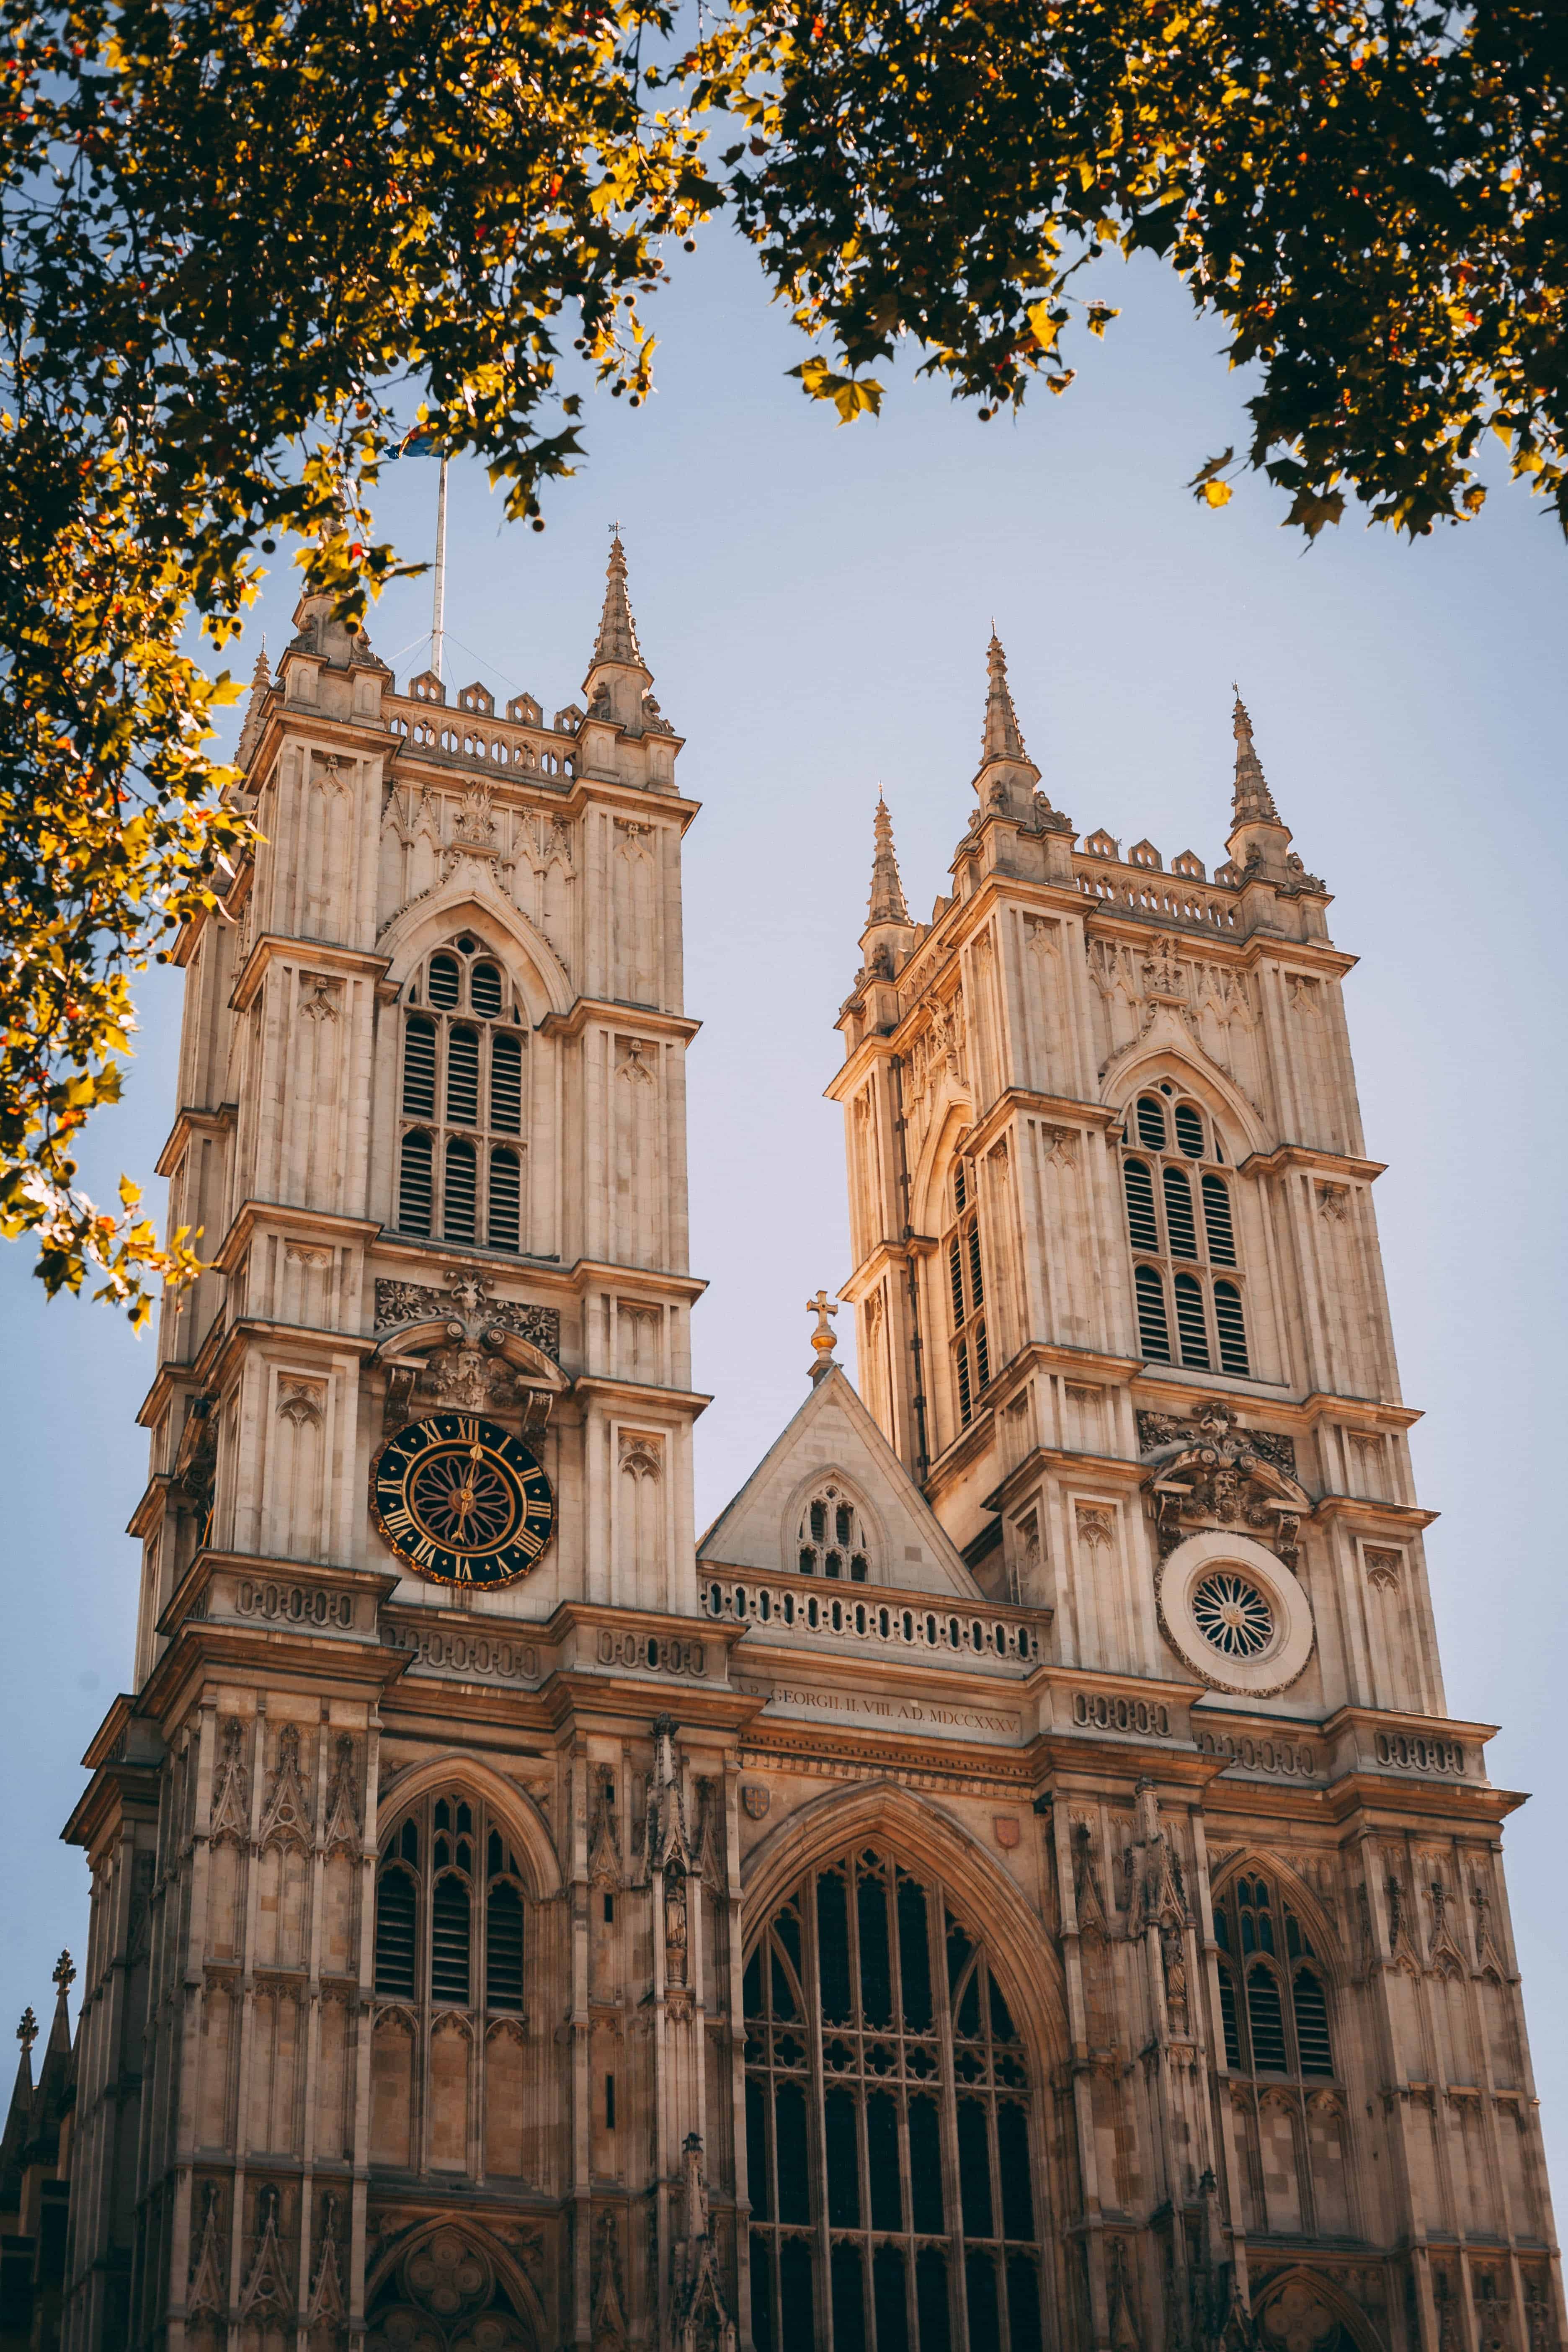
<point>617,637</point>
<point>887,903</point>
<point>1253,803</point>
<point>1001,738</point>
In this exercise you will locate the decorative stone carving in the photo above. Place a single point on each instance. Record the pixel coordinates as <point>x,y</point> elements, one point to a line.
<point>1093,1527</point>
<point>343,1811</point>
<point>302,1402</point>
<point>328,2301</point>
<point>702,2321</point>
<point>320,994</point>
<point>231,1789</point>
<point>1205,1471</point>
<point>413,1302</point>
<point>1382,1568</point>
<point>604,1835</point>
<point>266,2293</point>
<point>755,1801</point>
<point>641,1454</point>
<point>286,1820</point>
<point>207,2297</point>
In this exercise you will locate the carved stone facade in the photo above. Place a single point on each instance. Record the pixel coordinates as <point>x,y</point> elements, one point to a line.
<point>1015,1881</point>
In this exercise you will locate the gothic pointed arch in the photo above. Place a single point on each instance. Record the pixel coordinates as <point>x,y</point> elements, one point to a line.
<point>509,1806</point>
<point>1301,2309</point>
<point>463,903</point>
<point>1302,1896</point>
<point>921,1835</point>
<point>952,1117</point>
<point>445,2277</point>
<point>1168,1049</point>
<point>815,1521</point>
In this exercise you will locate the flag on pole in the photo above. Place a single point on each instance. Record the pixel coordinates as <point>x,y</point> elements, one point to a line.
<point>419,441</point>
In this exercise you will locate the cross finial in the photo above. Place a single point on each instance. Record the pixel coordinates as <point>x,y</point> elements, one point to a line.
<point>822,1339</point>
<point>27,2032</point>
<point>65,1973</point>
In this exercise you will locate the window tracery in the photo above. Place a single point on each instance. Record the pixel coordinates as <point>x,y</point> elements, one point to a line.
<point>889,2122</point>
<point>1186,1277</point>
<point>449,1911</point>
<point>461,1097</point>
<point>1274,2007</point>
<point>833,1538</point>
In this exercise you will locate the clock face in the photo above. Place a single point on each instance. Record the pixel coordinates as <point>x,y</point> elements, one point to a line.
<point>462,1500</point>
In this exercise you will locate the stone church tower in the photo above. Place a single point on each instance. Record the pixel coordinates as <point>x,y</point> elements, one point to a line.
<point>1013,1882</point>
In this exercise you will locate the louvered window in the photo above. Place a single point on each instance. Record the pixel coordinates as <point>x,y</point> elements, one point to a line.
<point>396,1910</point>
<point>1169,1226</point>
<point>966,1300</point>
<point>1280,2025</point>
<point>1153,1332</point>
<point>1265,2020</point>
<point>503,1947</point>
<point>438,1911</point>
<point>869,2005</point>
<point>464,1076</point>
<point>414,1183</point>
<point>504,1198</point>
<point>419,1067</point>
<point>1311,2023</point>
<point>1216,1221</point>
<point>461,1190</point>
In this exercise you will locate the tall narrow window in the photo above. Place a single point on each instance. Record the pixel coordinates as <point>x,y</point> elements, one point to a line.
<point>396,1915</point>
<point>1312,2025</point>
<point>841,1997</point>
<point>1232,1328</point>
<point>1216,1220</point>
<point>485,990</point>
<point>449,1924</point>
<point>414,1184</point>
<point>419,1067</point>
<point>503,1947</point>
<point>1171,1229</point>
<point>834,1539</point>
<point>1154,1332</point>
<point>966,1300</point>
<point>506,1082</point>
<point>458,1220</point>
<point>444,986</point>
<point>463,1077</point>
<point>1265,2020</point>
<point>505,1194</point>
<point>1190,1323</point>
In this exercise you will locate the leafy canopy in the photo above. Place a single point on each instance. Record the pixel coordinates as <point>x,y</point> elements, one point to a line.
<point>240,240</point>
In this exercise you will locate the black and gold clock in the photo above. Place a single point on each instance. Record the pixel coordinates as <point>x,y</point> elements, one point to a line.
<point>462,1500</point>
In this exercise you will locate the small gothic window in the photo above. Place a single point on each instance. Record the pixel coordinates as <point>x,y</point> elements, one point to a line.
<point>506,1083</point>
<point>834,1538</point>
<point>444,986</point>
<point>1189,1130</point>
<point>966,1300</point>
<point>485,990</point>
<point>1151,1123</point>
<point>1232,1328</point>
<point>503,1947</point>
<point>1153,1333</point>
<point>1139,1190</point>
<point>463,1077</point>
<point>458,1222</point>
<point>419,1067</point>
<point>1217,1219</point>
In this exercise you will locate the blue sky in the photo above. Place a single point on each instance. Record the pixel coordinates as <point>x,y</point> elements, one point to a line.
<point>814,603</point>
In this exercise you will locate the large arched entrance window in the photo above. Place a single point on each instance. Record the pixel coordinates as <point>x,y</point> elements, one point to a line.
<point>888,2127</point>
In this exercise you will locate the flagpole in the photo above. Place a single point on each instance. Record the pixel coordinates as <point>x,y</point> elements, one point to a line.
<point>438,619</point>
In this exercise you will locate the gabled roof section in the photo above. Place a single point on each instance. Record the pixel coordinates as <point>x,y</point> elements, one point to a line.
<point>833,1433</point>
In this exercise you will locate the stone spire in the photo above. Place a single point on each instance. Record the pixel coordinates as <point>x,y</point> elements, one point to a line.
<point>1007,777</point>
<point>1001,738</point>
<point>1253,803</point>
<point>1258,840</point>
<point>617,637</point>
<point>260,688</point>
<point>886,890</point>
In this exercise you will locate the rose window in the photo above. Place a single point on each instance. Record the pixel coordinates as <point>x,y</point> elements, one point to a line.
<point>1231,1612</point>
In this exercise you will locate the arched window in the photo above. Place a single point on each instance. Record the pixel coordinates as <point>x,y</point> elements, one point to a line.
<point>1267,1956</point>
<point>833,1537</point>
<point>1178,1233</point>
<point>877,2038</point>
<point>463,1079</point>
<point>448,1892</point>
<point>966,1299</point>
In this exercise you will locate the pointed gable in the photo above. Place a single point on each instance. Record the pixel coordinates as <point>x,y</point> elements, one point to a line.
<point>833,1440</point>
